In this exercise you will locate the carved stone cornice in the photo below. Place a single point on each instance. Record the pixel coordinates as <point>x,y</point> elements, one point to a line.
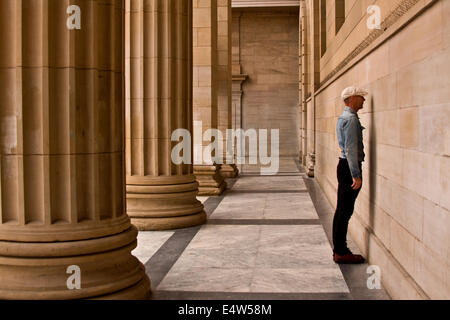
<point>240,77</point>
<point>388,22</point>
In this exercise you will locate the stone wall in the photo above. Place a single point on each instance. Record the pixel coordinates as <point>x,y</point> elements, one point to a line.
<point>402,218</point>
<point>269,55</point>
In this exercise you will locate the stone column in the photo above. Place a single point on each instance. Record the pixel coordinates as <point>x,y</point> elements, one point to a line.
<point>315,54</point>
<point>206,110</point>
<point>160,194</point>
<point>238,80</point>
<point>224,83</point>
<point>304,58</point>
<point>62,212</point>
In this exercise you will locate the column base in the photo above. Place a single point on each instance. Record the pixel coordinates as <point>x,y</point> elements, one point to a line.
<point>211,182</point>
<point>159,224</point>
<point>229,171</point>
<point>140,291</point>
<point>311,163</point>
<point>107,269</point>
<point>164,203</point>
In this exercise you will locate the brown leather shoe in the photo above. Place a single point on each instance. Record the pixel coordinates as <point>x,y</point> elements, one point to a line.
<point>349,259</point>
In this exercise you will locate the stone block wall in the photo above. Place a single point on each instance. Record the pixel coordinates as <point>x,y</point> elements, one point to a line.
<point>269,55</point>
<point>205,68</point>
<point>402,217</point>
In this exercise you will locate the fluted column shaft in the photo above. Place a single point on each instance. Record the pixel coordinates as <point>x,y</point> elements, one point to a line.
<point>160,194</point>
<point>304,49</point>
<point>61,153</point>
<point>238,79</point>
<point>206,93</point>
<point>224,84</point>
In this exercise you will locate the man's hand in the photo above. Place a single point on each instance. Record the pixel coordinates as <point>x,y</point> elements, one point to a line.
<point>357,183</point>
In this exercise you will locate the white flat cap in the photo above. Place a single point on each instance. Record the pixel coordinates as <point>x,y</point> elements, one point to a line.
<point>353,91</point>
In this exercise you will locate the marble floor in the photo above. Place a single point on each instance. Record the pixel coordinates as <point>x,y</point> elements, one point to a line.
<point>285,166</point>
<point>267,237</point>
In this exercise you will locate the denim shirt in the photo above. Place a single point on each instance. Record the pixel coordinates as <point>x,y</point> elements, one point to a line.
<point>350,138</point>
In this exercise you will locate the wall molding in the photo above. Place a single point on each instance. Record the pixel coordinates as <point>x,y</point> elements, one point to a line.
<point>405,12</point>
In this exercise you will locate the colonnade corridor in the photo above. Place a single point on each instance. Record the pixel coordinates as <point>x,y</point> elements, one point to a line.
<point>123,123</point>
<point>267,237</point>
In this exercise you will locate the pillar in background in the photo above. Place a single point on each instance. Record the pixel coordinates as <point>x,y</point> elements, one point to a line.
<point>310,24</point>
<point>314,49</point>
<point>238,80</point>
<point>224,83</point>
<point>206,111</point>
<point>62,201</point>
<point>160,194</point>
<point>304,81</point>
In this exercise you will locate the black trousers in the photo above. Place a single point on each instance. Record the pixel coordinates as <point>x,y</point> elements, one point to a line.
<point>345,207</point>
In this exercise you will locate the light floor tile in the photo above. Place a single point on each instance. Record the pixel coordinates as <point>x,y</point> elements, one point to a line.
<point>265,258</point>
<point>298,257</point>
<point>266,206</point>
<point>223,237</point>
<point>223,258</point>
<point>290,236</point>
<point>289,206</point>
<point>279,183</point>
<point>310,280</point>
<point>207,280</point>
<point>149,243</point>
<point>285,166</point>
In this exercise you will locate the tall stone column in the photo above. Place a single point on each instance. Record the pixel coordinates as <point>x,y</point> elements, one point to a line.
<point>224,83</point>
<point>206,111</point>
<point>238,79</point>
<point>314,60</point>
<point>304,81</point>
<point>160,194</point>
<point>64,232</point>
